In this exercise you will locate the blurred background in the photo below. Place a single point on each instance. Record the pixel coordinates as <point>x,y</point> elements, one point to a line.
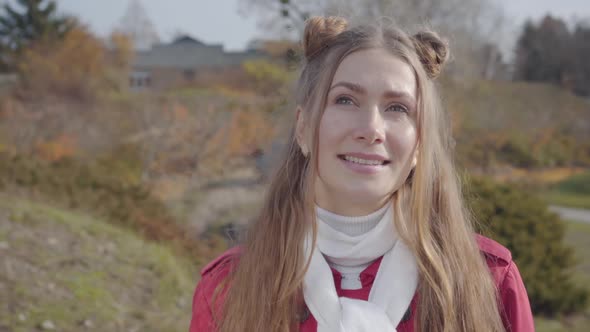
<point>137,137</point>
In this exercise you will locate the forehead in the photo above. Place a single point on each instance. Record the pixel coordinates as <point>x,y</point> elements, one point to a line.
<point>377,71</point>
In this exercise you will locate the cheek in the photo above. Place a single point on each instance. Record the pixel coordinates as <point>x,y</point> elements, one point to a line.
<point>402,139</point>
<point>333,129</point>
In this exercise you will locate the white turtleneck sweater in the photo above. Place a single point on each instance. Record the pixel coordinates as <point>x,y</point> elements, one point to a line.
<point>353,226</point>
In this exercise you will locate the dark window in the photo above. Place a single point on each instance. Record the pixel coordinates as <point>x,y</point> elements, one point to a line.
<point>189,74</point>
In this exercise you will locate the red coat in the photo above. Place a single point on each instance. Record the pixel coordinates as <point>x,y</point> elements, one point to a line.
<point>515,307</point>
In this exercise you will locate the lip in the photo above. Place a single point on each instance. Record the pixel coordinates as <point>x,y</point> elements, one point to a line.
<point>364,169</point>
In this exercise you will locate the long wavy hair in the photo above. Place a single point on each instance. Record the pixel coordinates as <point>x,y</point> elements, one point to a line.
<point>456,290</point>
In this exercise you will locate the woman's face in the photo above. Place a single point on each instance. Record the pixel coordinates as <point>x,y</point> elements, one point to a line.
<point>367,136</point>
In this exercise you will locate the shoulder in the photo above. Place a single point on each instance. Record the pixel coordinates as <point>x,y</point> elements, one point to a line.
<point>206,300</point>
<point>222,263</point>
<point>214,273</point>
<point>498,258</point>
<point>492,249</point>
<point>515,306</point>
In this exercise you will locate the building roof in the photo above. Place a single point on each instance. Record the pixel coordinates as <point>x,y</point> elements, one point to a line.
<point>186,52</point>
<point>186,39</point>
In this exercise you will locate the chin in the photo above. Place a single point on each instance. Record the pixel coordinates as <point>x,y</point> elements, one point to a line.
<point>366,194</point>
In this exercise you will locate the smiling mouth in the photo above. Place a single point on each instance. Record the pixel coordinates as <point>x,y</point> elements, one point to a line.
<point>361,161</point>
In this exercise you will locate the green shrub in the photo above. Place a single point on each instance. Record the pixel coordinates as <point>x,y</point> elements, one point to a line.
<point>517,153</point>
<point>534,235</point>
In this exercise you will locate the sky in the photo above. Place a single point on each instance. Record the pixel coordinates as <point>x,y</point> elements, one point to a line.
<point>219,21</point>
<point>211,21</point>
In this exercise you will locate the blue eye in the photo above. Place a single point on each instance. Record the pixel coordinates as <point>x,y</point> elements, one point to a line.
<point>344,100</point>
<point>397,108</point>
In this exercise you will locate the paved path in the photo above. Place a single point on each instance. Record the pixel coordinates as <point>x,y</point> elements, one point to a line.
<point>566,213</point>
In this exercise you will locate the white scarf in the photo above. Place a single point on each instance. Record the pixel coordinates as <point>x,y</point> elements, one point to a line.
<point>392,290</point>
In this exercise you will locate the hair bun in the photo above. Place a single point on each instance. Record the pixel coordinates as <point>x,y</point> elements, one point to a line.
<point>432,51</point>
<point>319,32</point>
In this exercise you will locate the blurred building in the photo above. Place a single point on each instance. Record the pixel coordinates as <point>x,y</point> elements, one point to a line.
<point>181,62</point>
<point>158,65</point>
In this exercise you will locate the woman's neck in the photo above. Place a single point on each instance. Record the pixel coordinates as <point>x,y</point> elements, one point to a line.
<point>351,225</point>
<point>349,205</point>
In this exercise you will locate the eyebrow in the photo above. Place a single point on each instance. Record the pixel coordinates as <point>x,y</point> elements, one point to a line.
<point>361,90</point>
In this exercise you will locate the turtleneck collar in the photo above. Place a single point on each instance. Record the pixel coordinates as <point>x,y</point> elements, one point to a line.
<point>352,226</point>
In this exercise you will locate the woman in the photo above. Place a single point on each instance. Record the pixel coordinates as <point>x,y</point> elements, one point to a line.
<point>363,227</point>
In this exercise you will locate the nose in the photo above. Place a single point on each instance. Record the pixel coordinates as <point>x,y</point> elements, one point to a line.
<point>371,128</point>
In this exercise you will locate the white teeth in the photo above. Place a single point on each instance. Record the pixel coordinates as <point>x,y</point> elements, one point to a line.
<point>363,161</point>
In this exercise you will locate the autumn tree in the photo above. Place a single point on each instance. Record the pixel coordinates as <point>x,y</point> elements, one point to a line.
<point>30,21</point>
<point>474,25</point>
<point>77,67</point>
<point>287,15</point>
<point>52,110</point>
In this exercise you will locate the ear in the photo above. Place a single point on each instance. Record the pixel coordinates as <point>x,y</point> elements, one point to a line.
<point>300,127</point>
<point>415,157</point>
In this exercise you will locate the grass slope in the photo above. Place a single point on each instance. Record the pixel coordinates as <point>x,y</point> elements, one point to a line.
<point>573,191</point>
<point>84,274</point>
<point>562,198</point>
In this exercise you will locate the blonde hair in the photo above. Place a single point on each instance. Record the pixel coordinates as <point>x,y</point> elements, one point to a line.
<point>457,292</point>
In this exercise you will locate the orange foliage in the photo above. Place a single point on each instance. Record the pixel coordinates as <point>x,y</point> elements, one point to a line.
<point>7,108</point>
<point>543,137</point>
<point>61,147</point>
<point>180,112</point>
<point>245,132</point>
<point>122,50</point>
<point>279,48</point>
<point>79,66</point>
<point>541,176</point>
